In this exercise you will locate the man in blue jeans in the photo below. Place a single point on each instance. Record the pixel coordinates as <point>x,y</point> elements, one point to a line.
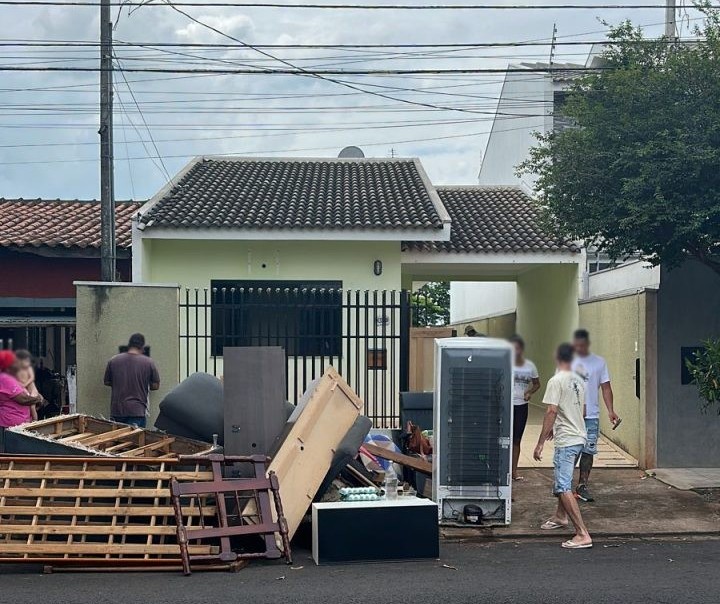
<point>565,422</point>
<point>132,376</point>
<point>593,369</point>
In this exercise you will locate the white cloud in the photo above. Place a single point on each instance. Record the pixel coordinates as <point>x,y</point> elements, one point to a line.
<point>234,114</point>
<point>237,25</point>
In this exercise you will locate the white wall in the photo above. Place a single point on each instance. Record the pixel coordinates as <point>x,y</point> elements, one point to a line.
<point>524,94</point>
<point>471,300</point>
<point>627,277</point>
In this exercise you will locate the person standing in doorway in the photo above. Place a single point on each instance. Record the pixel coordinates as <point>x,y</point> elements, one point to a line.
<point>132,376</point>
<point>564,420</point>
<point>594,371</point>
<point>526,382</point>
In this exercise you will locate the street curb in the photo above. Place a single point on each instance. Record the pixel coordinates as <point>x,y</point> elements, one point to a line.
<point>485,536</point>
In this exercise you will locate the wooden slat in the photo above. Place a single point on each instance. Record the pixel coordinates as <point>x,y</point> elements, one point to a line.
<point>99,548</point>
<point>151,447</point>
<point>63,434</point>
<point>84,529</point>
<point>119,447</point>
<point>406,460</point>
<point>106,475</point>
<point>97,439</point>
<point>84,492</point>
<point>136,510</point>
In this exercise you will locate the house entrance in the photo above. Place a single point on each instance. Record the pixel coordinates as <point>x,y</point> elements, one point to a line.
<point>365,335</point>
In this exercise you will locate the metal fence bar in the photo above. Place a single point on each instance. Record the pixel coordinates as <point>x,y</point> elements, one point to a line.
<point>364,334</point>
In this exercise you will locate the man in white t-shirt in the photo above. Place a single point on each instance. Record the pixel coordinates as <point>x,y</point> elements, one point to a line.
<point>594,371</point>
<point>564,419</point>
<point>526,382</point>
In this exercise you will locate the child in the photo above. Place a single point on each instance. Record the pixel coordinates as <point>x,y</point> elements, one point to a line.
<point>26,376</point>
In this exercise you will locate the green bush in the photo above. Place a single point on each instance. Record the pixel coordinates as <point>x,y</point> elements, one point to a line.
<point>705,371</point>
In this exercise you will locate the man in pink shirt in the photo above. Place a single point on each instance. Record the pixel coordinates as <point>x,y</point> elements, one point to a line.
<point>15,402</point>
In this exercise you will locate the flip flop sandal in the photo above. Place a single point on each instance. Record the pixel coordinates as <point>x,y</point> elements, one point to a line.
<point>573,545</point>
<point>551,525</point>
<point>519,479</point>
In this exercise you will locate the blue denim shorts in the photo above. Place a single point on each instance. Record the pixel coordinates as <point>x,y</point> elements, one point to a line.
<point>564,463</point>
<point>592,427</point>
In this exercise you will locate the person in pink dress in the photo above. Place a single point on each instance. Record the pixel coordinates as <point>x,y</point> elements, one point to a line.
<point>15,402</point>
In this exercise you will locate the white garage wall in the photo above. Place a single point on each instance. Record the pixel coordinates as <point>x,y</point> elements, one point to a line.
<point>471,300</point>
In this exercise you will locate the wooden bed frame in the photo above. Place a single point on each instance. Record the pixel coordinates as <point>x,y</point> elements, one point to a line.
<point>89,435</point>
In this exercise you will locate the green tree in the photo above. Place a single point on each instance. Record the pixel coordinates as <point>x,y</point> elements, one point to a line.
<point>431,304</point>
<point>705,371</point>
<point>640,171</point>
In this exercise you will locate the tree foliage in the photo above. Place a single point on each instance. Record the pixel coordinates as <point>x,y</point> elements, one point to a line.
<point>431,304</point>
<point>705,371</point>
<point>640,171</point>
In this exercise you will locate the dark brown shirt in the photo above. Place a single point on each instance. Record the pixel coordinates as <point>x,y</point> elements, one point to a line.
<point>130,376</point>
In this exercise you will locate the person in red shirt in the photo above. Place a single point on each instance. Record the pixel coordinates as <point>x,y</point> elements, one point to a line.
<point>15,402</point>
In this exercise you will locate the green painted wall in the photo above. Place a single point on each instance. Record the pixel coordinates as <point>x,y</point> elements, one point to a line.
<point>193,263</point>
<point>107,314</point>
<point>617,329</point>
<point>547,312</point>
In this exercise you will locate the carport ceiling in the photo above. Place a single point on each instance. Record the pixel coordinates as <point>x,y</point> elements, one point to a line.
<point>479,267</point>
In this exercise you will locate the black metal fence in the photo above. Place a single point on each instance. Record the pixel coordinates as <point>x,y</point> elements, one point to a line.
<point>365,335</point>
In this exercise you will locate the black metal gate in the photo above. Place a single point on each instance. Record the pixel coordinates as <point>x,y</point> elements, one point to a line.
<point>365,335</point>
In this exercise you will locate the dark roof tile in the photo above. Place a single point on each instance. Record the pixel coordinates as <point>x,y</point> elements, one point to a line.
<point>298,194</point>
<point>491,219</point>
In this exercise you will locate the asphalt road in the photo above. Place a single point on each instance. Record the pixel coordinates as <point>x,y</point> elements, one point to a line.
<point>538,572</point>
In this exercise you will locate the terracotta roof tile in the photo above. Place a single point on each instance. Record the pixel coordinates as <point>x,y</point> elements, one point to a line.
<point>491,219</point>
<point>60,223</point>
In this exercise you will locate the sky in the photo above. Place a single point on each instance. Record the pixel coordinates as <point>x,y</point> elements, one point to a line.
<point>49,120</point>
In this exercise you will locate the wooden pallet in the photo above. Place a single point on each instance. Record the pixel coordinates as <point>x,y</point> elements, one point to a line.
<point>96,511</point>
<point>104,437</point>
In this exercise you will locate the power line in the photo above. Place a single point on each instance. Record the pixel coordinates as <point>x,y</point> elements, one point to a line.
<point>239,4</point>
<point>468,45</point>
<point>270,152</point>
<point>301,71</point>
<point>318,73</point>
<point>142,117</point>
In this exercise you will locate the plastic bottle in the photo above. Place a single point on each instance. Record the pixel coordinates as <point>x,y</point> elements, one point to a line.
<point>391,484</point>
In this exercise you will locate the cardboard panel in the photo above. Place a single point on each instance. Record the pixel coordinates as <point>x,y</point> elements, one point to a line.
<point>314,432</point>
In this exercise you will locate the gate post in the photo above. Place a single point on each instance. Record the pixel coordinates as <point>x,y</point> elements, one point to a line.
<point>405,323</point>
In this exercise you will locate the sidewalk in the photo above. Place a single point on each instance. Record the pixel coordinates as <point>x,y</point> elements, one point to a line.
<point>628,504</point>
<point>609,455</point>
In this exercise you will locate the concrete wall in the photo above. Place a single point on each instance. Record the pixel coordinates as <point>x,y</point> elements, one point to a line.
<point>194,263</point>
<point>547,312</point>
<point>689,312</point>
<point>498,326</point>
<point>107,313</point>
<point>471,300</point>
<point>511,137</point>
<point>622,330</point>
<point>628,277</point>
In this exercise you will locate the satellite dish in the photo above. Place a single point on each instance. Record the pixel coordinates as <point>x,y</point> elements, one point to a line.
<point>351,152</point>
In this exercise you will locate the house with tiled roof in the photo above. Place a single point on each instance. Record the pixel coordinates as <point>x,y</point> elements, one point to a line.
<point>46,245</point>
<point>238,224</point>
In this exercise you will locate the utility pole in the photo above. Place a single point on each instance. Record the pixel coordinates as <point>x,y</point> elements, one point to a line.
<point>107,193</point>
<point>670,24</point>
